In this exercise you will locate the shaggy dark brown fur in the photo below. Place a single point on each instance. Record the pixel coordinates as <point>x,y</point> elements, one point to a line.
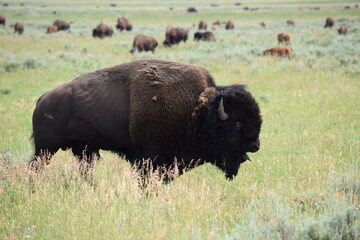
<point>52,29</point>
<point>2,20</point>
<point>61,24</point>
<point>205,36</point>
<point>342,30</point>
<point>144,43</point>
<point>123,24</point>
<point>19,28</point>
<point>329,22</point>
<point>169,112</point>
<point>284,38</point>
<point>175,36</point>
<point>229,25</point>
<point>103,30</point>
<point>278,52</point>
<point>202,25</point>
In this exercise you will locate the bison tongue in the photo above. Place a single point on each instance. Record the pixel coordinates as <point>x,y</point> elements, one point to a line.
<point>245,157</point>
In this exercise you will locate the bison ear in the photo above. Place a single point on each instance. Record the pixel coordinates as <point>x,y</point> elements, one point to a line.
<point>203,100</point>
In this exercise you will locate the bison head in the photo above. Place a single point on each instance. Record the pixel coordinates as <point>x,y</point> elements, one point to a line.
<point>231,128</point>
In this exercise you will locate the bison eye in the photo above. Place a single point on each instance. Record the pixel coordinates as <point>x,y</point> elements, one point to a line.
<point>239,125</point>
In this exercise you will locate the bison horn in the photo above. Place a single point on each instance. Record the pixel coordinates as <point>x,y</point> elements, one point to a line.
<point>221,112</point>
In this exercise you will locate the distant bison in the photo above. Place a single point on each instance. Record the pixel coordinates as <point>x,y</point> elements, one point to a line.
<point>144,43</point>
<point>191,10</point>
<point>62,25</point>
<point>52,29</point>
<point>205,36</point>
<point>329,22</point>
<point>19,28</point>
<point>217,22</point>
<point>278,52</point>
<point>202,25</point>
<point>171,113</point>
<point>290,22</point>
<point>262,24</point>
<point>175,36</point>
<point>2,20</point>
<point>284,38</point>
<point>123,24</point>
<point>214,27</point>
<point>342,30</point>
<point>229,25</point>
<point>103,30</point>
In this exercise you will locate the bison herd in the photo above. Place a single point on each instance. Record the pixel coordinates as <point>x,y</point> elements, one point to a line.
<point>174,35</point>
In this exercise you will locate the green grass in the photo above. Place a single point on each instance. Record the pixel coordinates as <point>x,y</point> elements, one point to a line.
<point>304,183</point>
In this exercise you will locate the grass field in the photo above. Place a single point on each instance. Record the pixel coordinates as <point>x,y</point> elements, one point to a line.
<point>304,183</point>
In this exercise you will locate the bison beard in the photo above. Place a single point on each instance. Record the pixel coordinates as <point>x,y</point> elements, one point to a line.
<point>149,109</point>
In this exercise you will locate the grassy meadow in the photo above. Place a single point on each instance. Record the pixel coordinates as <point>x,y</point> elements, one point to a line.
<point>304,183</point>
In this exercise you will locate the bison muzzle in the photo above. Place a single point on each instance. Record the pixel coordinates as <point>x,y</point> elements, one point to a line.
<point>173,114</point>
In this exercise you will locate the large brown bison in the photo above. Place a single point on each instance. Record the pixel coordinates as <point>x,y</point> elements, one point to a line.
<point>175,35</point>
<point>229,25</point>
<point>171,113</point>
<point>123,24</point>
<point>278,52</point>
<point>62,25</point>
<point>284,38</point>
<point>2,20</point>
<point>202,25</point>
<point>103,30</point>
<point>204,36</point>
<point>342,30</point>
<point>19,28</point>
<point>52,29</point>
<point>329,22</point>
<point>144,43</point>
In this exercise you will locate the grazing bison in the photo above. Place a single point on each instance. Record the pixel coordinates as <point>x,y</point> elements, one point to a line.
<point>2,20</point>
<point>19,28</point>
<point>191,10</point>
<point>171,113</point>
<point>278,52</point>
<point>284,38</point>
<point>103,30</point>
<point>229,25</point>
<point>342,30</point>
<point>62,25</point>
<point>123,24</point>
<point>290,22</point>
<point>144,43</point>
<point>262,24</point>
<point>217,22</point>
<point>329,22</point>
<point>205,36</point>
<point>52,29</point>
<point>175,35</point>
<point>202,25</point>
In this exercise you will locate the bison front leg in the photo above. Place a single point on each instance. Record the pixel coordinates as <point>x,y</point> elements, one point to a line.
<point>86,155</point>
<point>40,159</point>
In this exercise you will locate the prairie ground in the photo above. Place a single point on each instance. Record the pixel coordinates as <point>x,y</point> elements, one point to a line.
<point>304,183</point>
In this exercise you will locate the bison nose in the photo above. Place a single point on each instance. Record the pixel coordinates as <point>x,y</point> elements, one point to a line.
<point>255,146</point>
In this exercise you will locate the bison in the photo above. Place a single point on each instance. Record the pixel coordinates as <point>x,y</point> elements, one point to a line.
<point>202,25</point>
<point>144,43</point>
<point>229,25</point>
<point>103,30</point>
<point>217,22</point>
<point>62,25</point>
<point>19,28</point>
<point>284,38</point>
<point>290,22</point>
<point>173,114</point>
<point>215,27</point>
<point>329,22</point>
<point>2,20</point>
<point>52,29</point>
<point>342,30</point>
<point>205,36</point>
<point>278,52</point>
<point>175,36</point>
<point>123,24</point>
<point>191,10</point>
<point>262,24</point>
